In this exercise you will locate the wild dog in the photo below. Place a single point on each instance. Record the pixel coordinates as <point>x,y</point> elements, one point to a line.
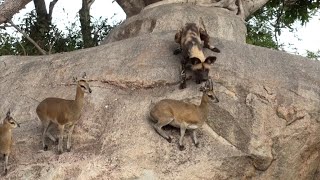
<point>190,38</point>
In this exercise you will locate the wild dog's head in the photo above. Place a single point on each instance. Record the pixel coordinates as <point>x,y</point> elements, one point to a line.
<point>201,68</point>
<point>189,38</point>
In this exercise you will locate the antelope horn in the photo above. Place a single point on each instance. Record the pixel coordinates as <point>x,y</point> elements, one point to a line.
<point>210,84</point>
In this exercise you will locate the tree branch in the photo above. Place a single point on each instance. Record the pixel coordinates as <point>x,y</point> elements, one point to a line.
<point>10,7</point>
<point>4,26</point>
<point>90,2</point>
<point>131,7</point>
<point>26,35</point>
<point>51,6</point>
<point>23,49</point>
<point>277,23</point>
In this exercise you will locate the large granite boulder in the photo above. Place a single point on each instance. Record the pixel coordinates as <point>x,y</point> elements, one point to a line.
<point>266,125</point>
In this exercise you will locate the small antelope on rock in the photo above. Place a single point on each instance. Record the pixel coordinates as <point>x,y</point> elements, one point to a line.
<point>183,115</point>
<point>62,112</point>
<point>6,138</point>
<point>190,39</point>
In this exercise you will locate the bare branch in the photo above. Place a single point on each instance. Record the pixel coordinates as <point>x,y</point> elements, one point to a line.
<point>90,2</point>
<point>10,7</point>
<point>51,6</point>
<point>54,41</point>
<point>131,7</point>
<point>23,49</point>
<point>26,35</point>
<point>4,26</point>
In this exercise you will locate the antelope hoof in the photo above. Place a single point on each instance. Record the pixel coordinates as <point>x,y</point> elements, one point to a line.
<point>45,148</point>
<point>60,152</point>
<point>169,139</point>
<point>197,145</point>
<point>68,149</point>
<point>5,171</point>
<point>177,51</point>
<point>181,147</point>
<point>215,50</point>
<point>182,86</point>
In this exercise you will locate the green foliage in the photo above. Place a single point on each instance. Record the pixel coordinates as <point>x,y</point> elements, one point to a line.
<point>260,34</point>
<point>52,40</point>
<point>40,32</point>
<point>8,44</point>
<point>265,25</point>
<point>101,28</point>
<point>313,55</point>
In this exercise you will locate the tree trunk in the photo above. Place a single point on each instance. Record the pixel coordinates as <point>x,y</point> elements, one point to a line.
<point>42,26</point>
<point>86,28</point>
<point>131,7</point>
<point>10,8</point>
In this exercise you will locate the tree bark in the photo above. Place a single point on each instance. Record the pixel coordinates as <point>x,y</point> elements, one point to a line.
<point>86,28</point>
<point>10,8</point>
<point>41,9</point>
<point>41,27</point>
<point>131,7</point>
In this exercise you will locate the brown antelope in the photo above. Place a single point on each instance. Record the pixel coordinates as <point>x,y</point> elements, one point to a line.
<point>182,115</point>
<point>190,39</point>
<point>6,138</point>
<point>62,112</point>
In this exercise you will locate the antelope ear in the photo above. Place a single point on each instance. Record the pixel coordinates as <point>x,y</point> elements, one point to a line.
<point>8,113</point>
<point>74,79</point>
<point>210,59</point>
<point>84,75</point>
<point>194,60</point>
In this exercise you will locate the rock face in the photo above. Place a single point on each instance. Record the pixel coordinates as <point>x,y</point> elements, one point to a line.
<point>266,125</point>
<point>219,23</point>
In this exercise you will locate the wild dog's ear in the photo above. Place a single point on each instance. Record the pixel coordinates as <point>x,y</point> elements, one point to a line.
<point>210,59</point>
<point>177,37</point>
<point>195,60</point>
<point>203,34</point>
<point>8,113</point>
<point>202,31</point>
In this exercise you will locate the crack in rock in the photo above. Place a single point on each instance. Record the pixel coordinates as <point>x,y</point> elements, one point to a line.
<point>134,85</point>
<point>290,114</point>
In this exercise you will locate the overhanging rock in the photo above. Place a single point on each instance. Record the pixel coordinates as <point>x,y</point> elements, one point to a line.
<point>170,17</point>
